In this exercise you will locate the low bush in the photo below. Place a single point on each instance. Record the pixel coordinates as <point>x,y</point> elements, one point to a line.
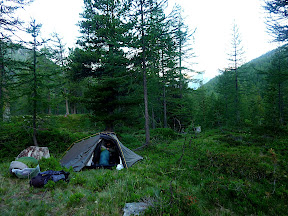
<point>75,199</point>
<point>160,134</point>
<point>204,175</point>
<point>50,164</point>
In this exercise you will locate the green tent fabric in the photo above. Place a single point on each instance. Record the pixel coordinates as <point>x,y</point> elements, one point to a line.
<point>82,152</point>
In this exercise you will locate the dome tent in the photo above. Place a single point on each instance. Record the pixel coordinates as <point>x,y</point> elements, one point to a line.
<point>88,150</point>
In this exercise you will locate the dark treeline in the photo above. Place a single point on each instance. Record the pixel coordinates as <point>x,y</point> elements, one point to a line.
<point>128,69</point>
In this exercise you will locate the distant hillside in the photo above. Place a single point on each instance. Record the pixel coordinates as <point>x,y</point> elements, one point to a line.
<point>247,71</point>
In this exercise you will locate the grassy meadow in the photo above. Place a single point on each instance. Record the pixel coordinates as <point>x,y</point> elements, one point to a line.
<point>217,172</point>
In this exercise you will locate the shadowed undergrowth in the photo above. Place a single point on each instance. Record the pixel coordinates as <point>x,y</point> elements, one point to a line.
<point>211,174</point>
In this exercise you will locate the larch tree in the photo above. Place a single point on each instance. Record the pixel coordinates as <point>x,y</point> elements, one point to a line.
<point>149,35</point>
<point>34,30</point>
<point>236,58</point>
<point>181,72</point>
<point>9,24</point>
<point>142,10</point>
<point>276,75</point>
<point>277,17</point>
<point>276,81</point>
<point>60,59</point>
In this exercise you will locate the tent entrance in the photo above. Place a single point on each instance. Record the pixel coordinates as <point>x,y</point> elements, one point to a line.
<point>88,151</point>
<point>105,155</point>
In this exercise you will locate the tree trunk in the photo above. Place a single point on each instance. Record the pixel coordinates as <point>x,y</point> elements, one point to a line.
<point>1,81</point>
<point>6,111</point>
<point>66,102</point>
<point>49,104</point>
<point>280,104</point>
<point>165,107</point>
<point>147,129</point>
<point>34,95</point>
<point>180,68</point>
<point>153,119</point>
<point>164,94</point>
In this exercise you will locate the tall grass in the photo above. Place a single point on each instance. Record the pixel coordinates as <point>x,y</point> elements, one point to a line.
<point>216,173</point>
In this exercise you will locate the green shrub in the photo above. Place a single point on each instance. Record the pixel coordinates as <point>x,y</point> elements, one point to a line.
<point>50,185</point>
<point>78,179</point>
<point>57,141</point>
<point>50,164</point>
<point>75,199</point>
<point>131,141</point>
<point>13,139</point>
<point>163,134</point>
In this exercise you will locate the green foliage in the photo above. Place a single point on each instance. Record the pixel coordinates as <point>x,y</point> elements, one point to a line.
<point>219,172</point>
<point>131,139</point>
<point>75,199</point>
<point>78,179</point>
<point>13,139</point>
<point>163,134</point>
<point>56,133</point>
<point>50,164</point>
<point>50,185</point>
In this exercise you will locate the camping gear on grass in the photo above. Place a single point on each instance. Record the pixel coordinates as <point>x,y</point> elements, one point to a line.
<point>35,152</point>
<point>87,153</point>
<point>27,172</point>
<point>17,165</point>
<point>43,177</point>
<point>25,167</point>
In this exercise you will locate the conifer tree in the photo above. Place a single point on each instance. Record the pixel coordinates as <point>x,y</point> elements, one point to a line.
<point>177,90</point>
<point>236,59</point>
<point>226,89</point>
<point>101,56</point>
<point>149,24</point>
<point>9,23</point>
<point>34,30</point>
<point>59,58</point>
<point>276,79</point>
<point>277,19</point>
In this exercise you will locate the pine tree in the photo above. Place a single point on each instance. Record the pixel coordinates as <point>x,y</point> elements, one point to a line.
<point>102,57</point>
<point>9,24</point>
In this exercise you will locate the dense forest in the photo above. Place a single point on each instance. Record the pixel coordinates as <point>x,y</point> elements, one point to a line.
<point>128,69</point>
<point>128,73</point>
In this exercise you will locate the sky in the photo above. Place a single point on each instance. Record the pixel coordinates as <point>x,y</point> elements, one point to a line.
<point>212,20</point>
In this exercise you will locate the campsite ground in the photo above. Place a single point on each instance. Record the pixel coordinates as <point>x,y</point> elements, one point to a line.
<point>219,172</point>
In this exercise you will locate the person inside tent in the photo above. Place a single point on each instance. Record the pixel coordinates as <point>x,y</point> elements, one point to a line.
<point>108,154</point>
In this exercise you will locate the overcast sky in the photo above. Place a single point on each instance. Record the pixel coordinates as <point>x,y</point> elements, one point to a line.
<point>213,20</point>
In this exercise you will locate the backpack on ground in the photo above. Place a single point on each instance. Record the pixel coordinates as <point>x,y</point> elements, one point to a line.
<point>43,177</point>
